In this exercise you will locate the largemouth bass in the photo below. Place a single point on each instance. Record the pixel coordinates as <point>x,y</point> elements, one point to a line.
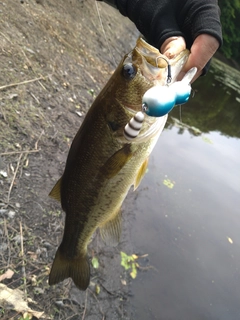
<point>103,164</point>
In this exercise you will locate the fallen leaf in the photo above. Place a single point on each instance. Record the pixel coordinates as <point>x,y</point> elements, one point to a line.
<point>95,262</point>
<point>33,255</point>
<point>7,275</point>
<point>133,274</point>
<point>124,282</point>
<point>13,299</point>
<point>26,316</point>
<point>168,183</point>
<point>135,257</point>
<point>97,289</point>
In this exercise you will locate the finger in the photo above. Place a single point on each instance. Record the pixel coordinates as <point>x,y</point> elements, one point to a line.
<point>173,46</point>
<point>202,51</point>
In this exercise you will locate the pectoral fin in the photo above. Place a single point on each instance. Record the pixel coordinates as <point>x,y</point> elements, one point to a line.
<point>116,162</point>
<point>141,173</point>
<point>56,191</point>
<point>111,230</point>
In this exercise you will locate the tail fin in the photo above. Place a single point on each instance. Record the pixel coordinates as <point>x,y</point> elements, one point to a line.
<point>78,269</point>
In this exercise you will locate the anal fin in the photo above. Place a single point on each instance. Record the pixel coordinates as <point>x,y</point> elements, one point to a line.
<point>111,230</point>
<point>141,172</point>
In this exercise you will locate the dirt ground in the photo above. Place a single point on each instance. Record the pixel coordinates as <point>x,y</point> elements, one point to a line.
<point>54,60</point>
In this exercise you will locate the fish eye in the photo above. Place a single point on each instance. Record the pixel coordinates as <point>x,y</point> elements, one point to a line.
<point>129,71</point>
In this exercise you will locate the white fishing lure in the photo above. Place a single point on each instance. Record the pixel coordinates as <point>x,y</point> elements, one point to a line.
<point>133,127</point>
<point>160,100</point>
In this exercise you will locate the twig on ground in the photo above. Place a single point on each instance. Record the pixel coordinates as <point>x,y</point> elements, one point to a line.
<point>40,83</point>
<point>72,316</point>
<point>14,177</point>
<point>3,113</point>
<point>100,308</point>
<point>35,98</point>
<point>147,268</point>
<point>20,83</point>
<point>109,292</point>
<point>12,228</point>
<point>9,244</point>
<point>17,152</point>
<point>4,36</point>
<point>85,306</point>
<point>23,262</point>
<point>36,143</point>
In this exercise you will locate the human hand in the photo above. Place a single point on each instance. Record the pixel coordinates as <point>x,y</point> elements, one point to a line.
<point>202,50</point>
<point>175,25</point>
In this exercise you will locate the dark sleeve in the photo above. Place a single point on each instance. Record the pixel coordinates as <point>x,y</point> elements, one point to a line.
<point>158,20</point>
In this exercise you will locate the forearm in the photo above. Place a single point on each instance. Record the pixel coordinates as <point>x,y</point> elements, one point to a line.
<point>158,20</point>
<point>199,17</point>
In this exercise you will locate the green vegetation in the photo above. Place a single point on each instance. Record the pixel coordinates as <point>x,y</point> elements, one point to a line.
<point>168,183</point>
<point>129,262</point>
<point>95,262</point>
<point>230,18</point>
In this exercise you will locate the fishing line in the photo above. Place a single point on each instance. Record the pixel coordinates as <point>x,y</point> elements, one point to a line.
<point>180,113</point>
<point>105,35</point>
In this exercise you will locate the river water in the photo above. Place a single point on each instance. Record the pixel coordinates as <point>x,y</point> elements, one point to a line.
<point>188,209</point>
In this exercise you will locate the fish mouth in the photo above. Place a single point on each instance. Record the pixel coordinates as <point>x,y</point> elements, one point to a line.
<point>152,69</point>
<point>154,65</point>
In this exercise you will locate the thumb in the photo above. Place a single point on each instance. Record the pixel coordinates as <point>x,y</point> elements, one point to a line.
<point>173,46</point>
<point>202,51</point>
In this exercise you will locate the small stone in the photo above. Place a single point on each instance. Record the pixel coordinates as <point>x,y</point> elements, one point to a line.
<point>17,239</point>
<point>3,247</point>
<point>11,214</point>
<point>38,290</point>
<point>59,303</point>
<point>47,245</point>
<point>3,173</point>
<point>79,113</point>
<point>3,211</point>
<point>13,96</point>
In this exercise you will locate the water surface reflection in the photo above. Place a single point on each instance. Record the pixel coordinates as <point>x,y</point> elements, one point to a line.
<point>192,231</point>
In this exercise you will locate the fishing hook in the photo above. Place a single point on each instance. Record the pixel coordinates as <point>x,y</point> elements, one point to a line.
<point>169,73</point>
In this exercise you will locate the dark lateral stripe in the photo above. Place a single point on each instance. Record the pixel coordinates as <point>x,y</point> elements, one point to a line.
<point>137,120</point>
<point>129,135</point>
<point>133,127</point>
